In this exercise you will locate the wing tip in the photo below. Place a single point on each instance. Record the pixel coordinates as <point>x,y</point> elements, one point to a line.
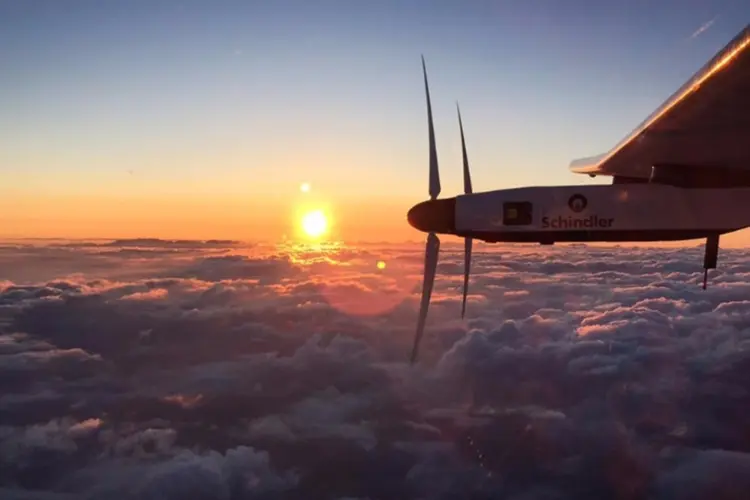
<point>586,165</point>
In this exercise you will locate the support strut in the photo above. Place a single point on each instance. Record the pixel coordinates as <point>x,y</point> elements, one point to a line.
<point>711,257</point>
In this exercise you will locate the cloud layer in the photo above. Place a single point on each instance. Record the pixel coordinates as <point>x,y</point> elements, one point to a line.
<point>152,369</point>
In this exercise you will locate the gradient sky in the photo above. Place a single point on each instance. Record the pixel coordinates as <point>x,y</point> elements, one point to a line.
<point>198,119</point>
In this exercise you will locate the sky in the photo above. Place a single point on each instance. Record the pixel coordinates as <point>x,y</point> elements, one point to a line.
<point>170,370</point>
<point>195,119</point>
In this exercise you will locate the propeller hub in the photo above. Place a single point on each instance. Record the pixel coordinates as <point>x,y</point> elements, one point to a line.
<point>434,216</point>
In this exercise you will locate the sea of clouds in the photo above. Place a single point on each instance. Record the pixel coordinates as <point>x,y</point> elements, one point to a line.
<point>218,370</point>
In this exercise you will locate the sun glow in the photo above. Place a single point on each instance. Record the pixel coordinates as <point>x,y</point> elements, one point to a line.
<point>315,223</point>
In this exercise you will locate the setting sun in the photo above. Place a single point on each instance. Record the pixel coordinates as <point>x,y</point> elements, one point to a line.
<point>314,223</point>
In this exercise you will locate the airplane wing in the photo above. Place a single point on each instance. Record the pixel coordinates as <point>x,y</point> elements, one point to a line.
<point>702,129</point>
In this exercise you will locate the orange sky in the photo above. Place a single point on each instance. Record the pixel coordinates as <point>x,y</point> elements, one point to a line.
<point>220,217</point>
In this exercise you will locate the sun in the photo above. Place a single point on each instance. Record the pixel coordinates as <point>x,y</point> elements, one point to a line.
<point>314,223</point>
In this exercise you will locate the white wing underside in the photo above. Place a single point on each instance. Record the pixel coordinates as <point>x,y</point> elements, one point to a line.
<point>706,123</point>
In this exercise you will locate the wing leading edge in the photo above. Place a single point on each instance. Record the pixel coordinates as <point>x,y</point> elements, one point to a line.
<point>704,125</point>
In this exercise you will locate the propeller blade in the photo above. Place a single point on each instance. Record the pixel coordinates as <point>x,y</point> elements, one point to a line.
<point>432,248</point>
<point>434,172</point>
<point>467,174</point>
<point>467,190</point>
<point>467,267</point>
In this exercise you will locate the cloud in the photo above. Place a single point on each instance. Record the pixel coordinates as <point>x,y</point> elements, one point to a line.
<point>217,370</point>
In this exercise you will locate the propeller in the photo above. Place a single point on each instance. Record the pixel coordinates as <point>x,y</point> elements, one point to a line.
<point>432,245</point>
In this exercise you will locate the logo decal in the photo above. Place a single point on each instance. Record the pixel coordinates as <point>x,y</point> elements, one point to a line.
<point>590,222</point>
<point>577,203</point>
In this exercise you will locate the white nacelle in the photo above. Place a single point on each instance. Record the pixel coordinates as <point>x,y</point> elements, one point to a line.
<point>658,211</point>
